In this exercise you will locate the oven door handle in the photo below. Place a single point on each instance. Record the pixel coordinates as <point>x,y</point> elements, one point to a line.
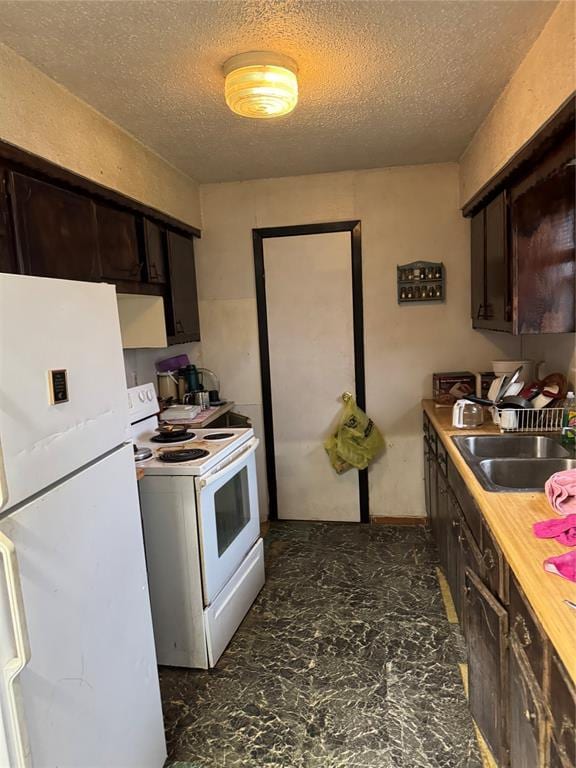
<point>251,446</point>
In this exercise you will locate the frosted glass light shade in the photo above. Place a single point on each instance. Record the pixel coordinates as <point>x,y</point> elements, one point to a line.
<point>261,85</point>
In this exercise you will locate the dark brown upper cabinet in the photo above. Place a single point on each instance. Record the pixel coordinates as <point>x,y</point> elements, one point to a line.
<point>118,244</point>
<point>155,249</point>
<point>543,220</point>
<point>55,230</point>
<point>523,268</point>
<point>182,319</point>
<point>491,267</point>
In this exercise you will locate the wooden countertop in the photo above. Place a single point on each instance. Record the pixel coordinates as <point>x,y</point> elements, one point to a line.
<point>510,517</point>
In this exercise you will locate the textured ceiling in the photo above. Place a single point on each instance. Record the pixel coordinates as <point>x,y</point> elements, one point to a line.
<point>386,82</point>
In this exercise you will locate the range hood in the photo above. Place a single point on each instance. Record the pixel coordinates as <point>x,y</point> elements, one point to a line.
<point>142,322</point>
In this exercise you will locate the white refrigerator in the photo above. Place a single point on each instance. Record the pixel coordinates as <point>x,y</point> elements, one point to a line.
<point>79,684</point>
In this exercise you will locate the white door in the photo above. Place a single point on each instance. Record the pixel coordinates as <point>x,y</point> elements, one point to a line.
<point>90,692</point>
<point>57,325</point>
<point>311,345</point>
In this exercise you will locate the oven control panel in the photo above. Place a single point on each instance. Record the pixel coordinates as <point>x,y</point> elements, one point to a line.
<point>142,402</point>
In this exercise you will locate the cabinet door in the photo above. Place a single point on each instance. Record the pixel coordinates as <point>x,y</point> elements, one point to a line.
<point>442,515</point>
<point>543,241</point>
<point>498,310</point>
<point>555,759</point>
<point>470,557</point>
<point>526,713</point>
<point>452,531</point>
<point>434,522</point>
<point>183,321</point>
<point>8,261</point>
<point>427,476</point>
<point>527,633</point>
<point>478,267</point>
<point>155,248</point>
<point>495,566</point>
<point>118,244</point>
<point>486,640</point>
<point>562,702</point>
<point>55,230</point>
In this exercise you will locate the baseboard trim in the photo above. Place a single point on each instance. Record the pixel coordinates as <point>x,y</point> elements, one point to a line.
<point>399,520</point>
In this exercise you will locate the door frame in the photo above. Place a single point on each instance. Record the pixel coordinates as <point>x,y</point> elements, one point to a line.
<point>258,236</point>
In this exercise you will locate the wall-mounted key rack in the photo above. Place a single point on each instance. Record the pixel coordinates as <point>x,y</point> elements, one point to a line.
<point>421,281</point>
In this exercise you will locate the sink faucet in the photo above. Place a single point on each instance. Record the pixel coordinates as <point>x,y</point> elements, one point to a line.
<point>569,430</point>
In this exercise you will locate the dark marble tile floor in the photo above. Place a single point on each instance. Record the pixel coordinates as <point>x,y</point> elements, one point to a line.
<point>346,660</point>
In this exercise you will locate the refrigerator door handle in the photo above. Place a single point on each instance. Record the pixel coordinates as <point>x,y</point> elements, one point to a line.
<point>3,482</point>
<point>12,714</point>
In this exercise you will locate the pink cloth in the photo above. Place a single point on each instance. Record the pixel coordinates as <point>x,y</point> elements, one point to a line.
<point>561,491</point>
<point>562,565</point>
<point>563,529</point>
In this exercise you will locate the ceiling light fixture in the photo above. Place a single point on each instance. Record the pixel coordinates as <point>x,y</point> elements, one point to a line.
<point>261,84</point>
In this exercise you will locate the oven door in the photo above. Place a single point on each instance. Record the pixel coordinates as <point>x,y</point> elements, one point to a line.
<point>227,505</point>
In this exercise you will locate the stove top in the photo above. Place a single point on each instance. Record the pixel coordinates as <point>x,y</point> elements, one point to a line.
<point>187,455</point>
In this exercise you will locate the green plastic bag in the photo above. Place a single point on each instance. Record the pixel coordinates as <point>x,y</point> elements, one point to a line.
<point>356,442</point>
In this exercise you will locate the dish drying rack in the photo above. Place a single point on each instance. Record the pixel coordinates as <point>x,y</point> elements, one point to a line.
<point>527,419</point>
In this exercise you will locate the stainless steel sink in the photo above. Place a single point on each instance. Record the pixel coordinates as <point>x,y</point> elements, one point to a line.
<point>514,463</point>
<point>513,446</point>
<point>519,474</point>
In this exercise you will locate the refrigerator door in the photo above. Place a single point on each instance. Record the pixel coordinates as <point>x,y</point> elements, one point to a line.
<point>90,693</point>
<point>51,424</point>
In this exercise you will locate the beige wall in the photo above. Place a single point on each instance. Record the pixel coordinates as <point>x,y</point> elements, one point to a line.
<point>40,116</point>
<point>543,81</point>
<point>407,213</point>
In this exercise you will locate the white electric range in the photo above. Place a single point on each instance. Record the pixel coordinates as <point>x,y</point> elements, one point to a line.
<point>204,553</point>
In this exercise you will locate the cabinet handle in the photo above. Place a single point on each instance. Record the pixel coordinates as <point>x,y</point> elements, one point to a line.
<point>443,491</point>
<point>480,314</point>
<point>531,716</point>
<point>488,559</point>
<point>179,326</point>
<point>153,271</point>
<point>455,524</point>
<point>521,630</point>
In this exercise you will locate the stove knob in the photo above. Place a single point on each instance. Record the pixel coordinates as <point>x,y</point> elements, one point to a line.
<point>141,397</point>
<point>150,396</point>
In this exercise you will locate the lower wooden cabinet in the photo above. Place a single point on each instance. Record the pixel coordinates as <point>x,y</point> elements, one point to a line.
<point>487,645</point>
<point>470,558</point>
<point>452,551</point>
<point>562,698</point>
<point>520,694</point>
<point>527,715</point>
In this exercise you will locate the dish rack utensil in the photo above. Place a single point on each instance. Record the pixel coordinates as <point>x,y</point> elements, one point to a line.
<point>527,419</point>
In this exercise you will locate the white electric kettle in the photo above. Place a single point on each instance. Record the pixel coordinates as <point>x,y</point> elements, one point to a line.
<point>466,414</point>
